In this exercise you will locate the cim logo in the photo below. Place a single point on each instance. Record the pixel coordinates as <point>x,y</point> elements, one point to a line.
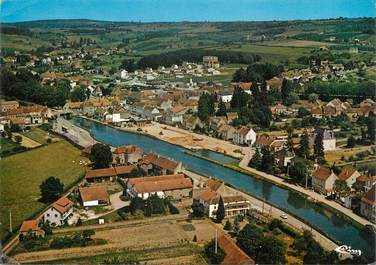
<point>348,250</point>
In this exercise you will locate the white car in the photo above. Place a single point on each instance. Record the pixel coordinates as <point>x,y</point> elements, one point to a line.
<point>284,216</point>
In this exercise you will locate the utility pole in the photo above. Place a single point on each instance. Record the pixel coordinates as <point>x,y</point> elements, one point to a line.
<point>216,241</point>
<point>10,221</point>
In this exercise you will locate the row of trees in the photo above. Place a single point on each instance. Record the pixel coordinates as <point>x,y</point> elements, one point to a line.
<point>257,72</point>
<point>195,56</point>
<point>24,85</point>
<point>152,205</point>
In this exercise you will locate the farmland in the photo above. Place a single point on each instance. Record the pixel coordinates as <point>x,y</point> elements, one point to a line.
<point>21,175</point>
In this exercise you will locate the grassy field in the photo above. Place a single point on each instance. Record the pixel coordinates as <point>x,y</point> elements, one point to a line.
<point>21,175</point>
<point>37,135</point>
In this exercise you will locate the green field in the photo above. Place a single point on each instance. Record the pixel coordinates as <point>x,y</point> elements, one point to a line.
<point>21,175</point>
<point>37,135</point>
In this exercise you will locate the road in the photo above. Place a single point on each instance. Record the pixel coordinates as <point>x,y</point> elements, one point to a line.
<point>314,195</point>
<point>276,213</point>
<point>74,133</point>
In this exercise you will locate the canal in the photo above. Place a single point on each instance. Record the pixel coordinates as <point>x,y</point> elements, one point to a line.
<point>334,224</point>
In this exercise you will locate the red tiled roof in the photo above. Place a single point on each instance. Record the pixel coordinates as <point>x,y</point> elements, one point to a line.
<point>124,169</point>
<point>128,149</point>
<point>322,173</point>
<point>93,193</point>
<point>264,140</point>
<point>29,225</point>
<point>243,130</point>
<point>370,196</point>
<point>346,172</point>
<point>213,184</point>
<point>102,172</point>
<point>165,163</point>
<point>245,86</point>
<point>161,183</point>
<point>234,255</point>
<point>62,205</point>
<point>208,195</point>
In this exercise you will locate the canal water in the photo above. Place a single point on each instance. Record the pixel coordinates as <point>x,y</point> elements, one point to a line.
<point>334,224</point>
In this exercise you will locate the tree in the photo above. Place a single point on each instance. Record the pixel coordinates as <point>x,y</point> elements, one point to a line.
<point>318,148</point>
<point>340,187</point>
<point>205,107</point>
<point>267,162</point>
<point>78,94</point>
<point>136,204</point>
<point>51,189</point>
<point>304,149</point>
<point>236,227</point>
<point>286,89</point>
<point>18,139</point>
<point>100,155</point>
<point>198,209</point>
<point>220,215</point>
<point>214,258</point>
<point>249,239</point>
<point>239,98</point>
<point>351,142</point>
<point>228,225</point>
<point>299,171</point>
<point>273,251</point>
<point>256,160</point>
<point>303,112</point>
<point>129,65</point>
<point>222,111</point>
<point>313,97</point>
<point>371,127</point>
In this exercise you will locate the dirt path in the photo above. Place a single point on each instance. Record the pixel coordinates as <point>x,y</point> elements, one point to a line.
<point>189,139</point>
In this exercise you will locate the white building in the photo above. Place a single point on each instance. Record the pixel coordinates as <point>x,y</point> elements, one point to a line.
<point>225,96</point>
<point>59,212</point>
<point>245,136</point>
<point>328,139</point>
<point>124,74</point>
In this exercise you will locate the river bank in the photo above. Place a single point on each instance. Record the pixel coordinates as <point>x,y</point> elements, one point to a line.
<point>334,224</point>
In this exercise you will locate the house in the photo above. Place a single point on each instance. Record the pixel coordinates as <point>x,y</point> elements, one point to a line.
<point>323,180</point>
<point>246,86</point>
<point>175,115</point>
<point>225,96</point>
<point>274,84</point>
<point>8,105</point>
<point>216,122</point>
<point>234,254</point>
<point>210,61</point>
<point>244,136</point>
<point>264,140</point>
<point>365,182</point>
<point>94,195</point>
<point>283,157</point>
<point>226,132</point>
<point>102,174</point>
<point>59,212</point>
<point>28,115</point>
<point>123,155</point>
<point>231,116</point>
<point>234,205</point>
<point>162,165</point>
<point>192,123</point>
<point>72,107</point>
<point>328,139</point>
<point>176,186</point>
<point>368,205</point>
<point>31,227</point>
<point>349,174</point>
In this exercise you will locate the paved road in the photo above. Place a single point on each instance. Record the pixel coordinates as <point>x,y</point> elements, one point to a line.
<point>314,195</point>
<point>276,213</point>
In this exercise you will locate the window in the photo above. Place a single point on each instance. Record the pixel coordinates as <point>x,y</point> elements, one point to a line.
<point>55,215</point>
<point>48,215</point>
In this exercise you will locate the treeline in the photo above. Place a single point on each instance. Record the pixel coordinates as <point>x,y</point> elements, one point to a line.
<point>356,90</point>
<point>257,72</point>
<point>23,85</point>
<point>15,30</point>
<point>195,56</point>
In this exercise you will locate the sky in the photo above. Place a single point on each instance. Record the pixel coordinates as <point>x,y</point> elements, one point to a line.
<point>183,10</point>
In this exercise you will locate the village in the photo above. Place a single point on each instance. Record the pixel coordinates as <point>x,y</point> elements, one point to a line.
<point>176,156</point>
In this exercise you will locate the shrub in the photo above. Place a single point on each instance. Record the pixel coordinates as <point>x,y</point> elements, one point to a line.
<point>227,226</point>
